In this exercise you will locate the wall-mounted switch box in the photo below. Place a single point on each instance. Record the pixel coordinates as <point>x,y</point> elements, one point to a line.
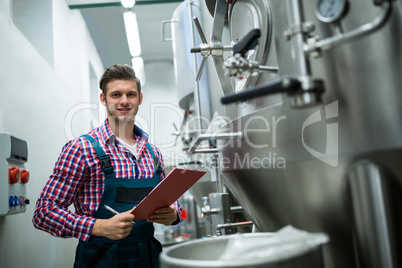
<point>13,175</point>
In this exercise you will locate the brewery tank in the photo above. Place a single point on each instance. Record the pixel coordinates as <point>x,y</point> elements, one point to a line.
<point>326,159</point>
<point>198,99</point>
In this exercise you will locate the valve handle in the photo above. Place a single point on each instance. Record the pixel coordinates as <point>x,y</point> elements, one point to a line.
<point>198,49</point>
<point>199,30</point>
<point>201,68</point>
<point>247,43</point>
<point>201,34</point>
<point>195,50</point>
<point>285,84</point>
<point>197,162</point>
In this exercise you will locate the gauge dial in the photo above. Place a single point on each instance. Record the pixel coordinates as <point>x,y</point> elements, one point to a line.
<point>330,10</point>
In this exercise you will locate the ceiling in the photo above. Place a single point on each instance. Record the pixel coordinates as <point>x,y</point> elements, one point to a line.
<point>104,19</point>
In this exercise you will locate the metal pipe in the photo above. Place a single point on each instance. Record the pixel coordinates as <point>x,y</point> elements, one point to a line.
<point>231,225</point>
<point>361,31</point>
<point>264,68</point>
<point>206,151</point>
<point>220,187</point>
<point>214,210</point>
<point>235,209</point>
<point>371,201</point>
<point>209,136</point>
<point>118,3</point>
<point>295,18</point>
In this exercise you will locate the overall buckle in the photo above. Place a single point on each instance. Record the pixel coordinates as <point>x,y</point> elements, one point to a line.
<point>106,163</point>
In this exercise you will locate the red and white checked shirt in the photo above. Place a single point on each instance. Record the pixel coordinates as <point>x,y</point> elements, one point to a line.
<point>78,179</point>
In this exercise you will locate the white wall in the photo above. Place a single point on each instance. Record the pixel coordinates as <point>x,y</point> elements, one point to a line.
<point>35,97</point>
<point>160,110</point>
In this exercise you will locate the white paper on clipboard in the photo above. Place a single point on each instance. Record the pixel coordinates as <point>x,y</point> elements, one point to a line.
<point>176,183</point>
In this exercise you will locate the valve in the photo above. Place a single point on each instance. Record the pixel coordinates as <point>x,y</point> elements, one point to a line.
<point>206,49</point>
<point>298,88</point>
<point>247,43</point>
<point>184,134</point>
<point>215,48</point>
<point>282,85</point>
<point>206,208</point>
<point>239,65</point>
<point>315,46</point>
<point>242,67</point>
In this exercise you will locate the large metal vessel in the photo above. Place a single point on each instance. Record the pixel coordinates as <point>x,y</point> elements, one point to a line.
<point>258,250</point>
<point>323,152</point>
<point>318,141</point>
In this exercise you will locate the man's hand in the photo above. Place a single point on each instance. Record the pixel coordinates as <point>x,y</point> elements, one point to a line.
<point>165,216</point>
<point>115,228</point>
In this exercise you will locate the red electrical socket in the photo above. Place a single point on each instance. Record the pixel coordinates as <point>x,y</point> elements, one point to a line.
<point>24,176</point>
<point>13,175</point>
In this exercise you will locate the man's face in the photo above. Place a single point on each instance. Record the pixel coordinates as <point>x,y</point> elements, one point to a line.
<point>122,100</point>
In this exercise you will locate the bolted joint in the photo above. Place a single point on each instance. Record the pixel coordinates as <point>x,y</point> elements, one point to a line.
<point>305,28</point>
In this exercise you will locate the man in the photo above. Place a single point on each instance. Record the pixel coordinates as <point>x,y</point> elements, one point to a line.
<point>112,165</point>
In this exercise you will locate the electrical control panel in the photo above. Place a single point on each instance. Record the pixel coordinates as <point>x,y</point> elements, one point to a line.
<point>14,177</point>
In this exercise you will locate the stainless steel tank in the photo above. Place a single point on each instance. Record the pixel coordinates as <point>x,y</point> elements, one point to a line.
<point>183,38</point>
<point>217,253</point>
<point>198,99</point>
<point>204,186</point>
<point>324,155</point>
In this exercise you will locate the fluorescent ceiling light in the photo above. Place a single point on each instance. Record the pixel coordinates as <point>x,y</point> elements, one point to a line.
<point>133,36</point>
<point>128,3</point>
<point>138,66</point>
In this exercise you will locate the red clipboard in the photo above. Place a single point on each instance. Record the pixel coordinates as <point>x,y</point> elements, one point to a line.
<point>176,183</point>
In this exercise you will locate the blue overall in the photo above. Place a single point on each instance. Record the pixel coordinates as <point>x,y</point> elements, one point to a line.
<point>140,248</point>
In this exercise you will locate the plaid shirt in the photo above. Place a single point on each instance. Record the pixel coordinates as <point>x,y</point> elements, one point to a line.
<point>78,179</point>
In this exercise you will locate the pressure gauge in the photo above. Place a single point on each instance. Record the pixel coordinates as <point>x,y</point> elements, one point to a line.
<point>330,10</point>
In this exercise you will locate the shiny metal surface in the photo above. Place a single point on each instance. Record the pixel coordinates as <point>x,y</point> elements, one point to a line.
<point>359,32</point>
<point>213,136</point>
<point>292,164</point>
<point>371,204</point>
<point>296,19</point>
<point>245,16</point>
<point>299,166</point>
<point>202,187</point>
<point>205,253</point>
<point>330,11</point>
<point>215,47</point>
<point>191,93</point>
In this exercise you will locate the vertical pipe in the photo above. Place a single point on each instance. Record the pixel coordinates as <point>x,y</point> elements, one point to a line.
<point>296,19</point>
<point>373,225</point>
<point>220,188</point>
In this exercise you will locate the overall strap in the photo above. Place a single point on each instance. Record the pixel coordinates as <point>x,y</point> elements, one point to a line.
<point>157,162</point>
<point>104,158</point>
